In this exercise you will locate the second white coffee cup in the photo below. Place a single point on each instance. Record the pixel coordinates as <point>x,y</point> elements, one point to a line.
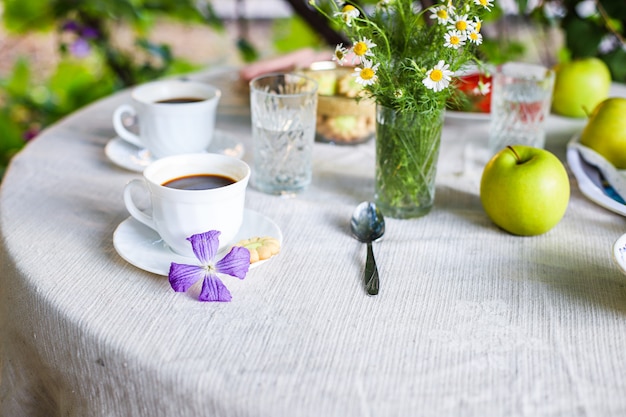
<point>181,206</point>
<point>173,116</point>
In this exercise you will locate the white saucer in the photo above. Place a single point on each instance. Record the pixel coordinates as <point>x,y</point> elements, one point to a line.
<point>619,253</point>
<point>143,247</point>
<point>130,157</point>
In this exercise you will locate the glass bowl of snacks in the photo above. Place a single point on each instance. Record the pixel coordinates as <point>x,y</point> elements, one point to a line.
<point>344,115</point>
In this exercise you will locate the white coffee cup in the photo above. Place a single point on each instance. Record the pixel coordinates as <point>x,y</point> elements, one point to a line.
<point>170,128</point>
<point>176,214</point>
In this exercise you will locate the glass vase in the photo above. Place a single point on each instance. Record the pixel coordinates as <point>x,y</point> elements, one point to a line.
<point>407,150</point>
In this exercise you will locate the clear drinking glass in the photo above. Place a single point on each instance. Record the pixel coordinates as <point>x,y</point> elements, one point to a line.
<point>520,103</point>
<point>283,107</point>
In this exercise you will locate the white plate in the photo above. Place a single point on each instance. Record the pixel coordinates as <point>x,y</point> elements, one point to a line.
<point>130,157</point>
<point>619,253</point>
<point>143,247</point>
<point>589,181</point>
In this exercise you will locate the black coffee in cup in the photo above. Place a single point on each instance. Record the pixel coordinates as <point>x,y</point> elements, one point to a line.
<point>180,100</point>
<point>199,182</point>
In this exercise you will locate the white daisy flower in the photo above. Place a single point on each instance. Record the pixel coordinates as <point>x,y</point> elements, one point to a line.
<point>439,77</point>
<point>347,13</point>
<point>487,4</point>
<point>478,24</point>
<point>366,75</point>
<point>475,37</point>
<point>340,54</point>
<point>461,24</point>
<point>454,39</point>
<point>442,13</point>
<point>363,48</point>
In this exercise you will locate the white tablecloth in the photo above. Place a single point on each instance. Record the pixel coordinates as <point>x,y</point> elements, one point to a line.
<point>470,321</point>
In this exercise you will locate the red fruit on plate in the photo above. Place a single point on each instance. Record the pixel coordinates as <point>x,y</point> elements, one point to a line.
<point>477,90</point>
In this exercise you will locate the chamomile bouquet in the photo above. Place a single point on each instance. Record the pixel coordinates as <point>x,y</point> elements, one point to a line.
<point>406,57</point>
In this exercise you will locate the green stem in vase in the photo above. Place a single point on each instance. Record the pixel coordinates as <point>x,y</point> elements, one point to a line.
<point>407,150</point>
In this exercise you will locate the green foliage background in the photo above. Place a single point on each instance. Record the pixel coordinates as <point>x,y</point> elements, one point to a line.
<point>28,105</point>
<point>600,34</point>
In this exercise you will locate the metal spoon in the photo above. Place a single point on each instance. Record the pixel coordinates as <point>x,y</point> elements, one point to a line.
<point>368,225</point>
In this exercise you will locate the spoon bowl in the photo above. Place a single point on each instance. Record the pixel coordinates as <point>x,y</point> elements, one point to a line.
<point>368,225</point>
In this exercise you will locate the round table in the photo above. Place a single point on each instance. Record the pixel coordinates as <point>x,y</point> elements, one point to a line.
<point>470,321</point>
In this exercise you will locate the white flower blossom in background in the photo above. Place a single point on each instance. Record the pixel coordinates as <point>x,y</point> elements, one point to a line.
<point>482,88</point>
<point>586,8</point>
<point>608,43</point>
<point>384,4</point>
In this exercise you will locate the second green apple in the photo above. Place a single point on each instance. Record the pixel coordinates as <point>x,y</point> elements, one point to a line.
<point>605,131</point>
<point>579,86</point>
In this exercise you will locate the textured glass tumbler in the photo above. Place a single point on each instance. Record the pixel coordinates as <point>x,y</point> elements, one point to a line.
<point>520,103</point>
<point>283,108</point>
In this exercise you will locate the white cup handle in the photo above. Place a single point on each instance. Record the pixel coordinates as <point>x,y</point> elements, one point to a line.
<point>132,208</point>
<point>121,130</point>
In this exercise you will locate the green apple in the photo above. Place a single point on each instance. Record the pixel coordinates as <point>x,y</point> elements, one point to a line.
<point>579,86</point>
<point>524,190</point>
<point>605,131</point>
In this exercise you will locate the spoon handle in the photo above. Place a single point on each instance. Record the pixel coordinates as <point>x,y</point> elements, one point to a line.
<point>371,272</point>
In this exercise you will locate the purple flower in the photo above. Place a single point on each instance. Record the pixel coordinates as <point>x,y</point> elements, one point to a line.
<point>80,48</point>
<point>236,263</point>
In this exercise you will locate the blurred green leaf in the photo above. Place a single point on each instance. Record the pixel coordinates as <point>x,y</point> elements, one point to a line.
<point>293,33</point>
<point>582,37</point>
<point>19,82</point>
<point>76,83</point>
<point>247,50</point>
<point>11,140</point>
<point>27,15</point>
<point>211,18</point>
<point>616,60</point>
<point>499,51</point>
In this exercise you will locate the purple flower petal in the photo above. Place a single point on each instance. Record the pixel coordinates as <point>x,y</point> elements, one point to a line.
<point>70,26</point>
<point>80,48</point>
<point>205,245</point>
<point>184,276</point>
<point>236,262</point>
<point>213,289</point>
<point>89,33</point>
